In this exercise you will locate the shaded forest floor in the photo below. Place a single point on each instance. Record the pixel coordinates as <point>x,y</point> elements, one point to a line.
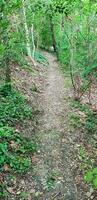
<point>55,172</point>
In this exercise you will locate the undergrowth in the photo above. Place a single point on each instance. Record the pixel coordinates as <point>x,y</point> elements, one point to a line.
<point>41,58</point>
<point>15,149</point>
<point>88,151</point>
<point>13,107</point>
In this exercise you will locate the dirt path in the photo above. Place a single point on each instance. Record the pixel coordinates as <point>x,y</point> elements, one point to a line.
<point>54,178</point>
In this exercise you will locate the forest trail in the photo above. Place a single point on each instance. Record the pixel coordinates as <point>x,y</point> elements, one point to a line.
<point>54,177</point>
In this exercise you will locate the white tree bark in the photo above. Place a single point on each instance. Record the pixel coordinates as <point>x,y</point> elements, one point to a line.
<point>33,45</point>
<point>32,31</point>
<point>28,47</point>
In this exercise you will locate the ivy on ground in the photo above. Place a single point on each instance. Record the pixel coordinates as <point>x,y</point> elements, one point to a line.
<point>15,150</point>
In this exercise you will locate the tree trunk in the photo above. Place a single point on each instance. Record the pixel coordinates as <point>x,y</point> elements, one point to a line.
<point>28,47</point>
<point>71,67</point>
<point>5,40</point>
<point>89,54</point>
<point>33,44</point>
<point>8,74</point>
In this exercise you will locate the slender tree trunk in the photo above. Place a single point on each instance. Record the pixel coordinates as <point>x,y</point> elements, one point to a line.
<point>33,44</point>
<point>37,42</point>
<point>28,47</point>
<point>8,74</point>
<point>5,40</point>
<point>89,53</point>
<point>71,67</point>
<point>72,50</point>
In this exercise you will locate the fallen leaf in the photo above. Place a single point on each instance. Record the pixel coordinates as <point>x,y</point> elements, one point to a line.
<point>6,168</point>
<point>13,144</point>
<point>78,179</point>
<point>34,159</point>
<point>18,192</point>
<point>88,194</point>
<point>1,177</point>
<point>11,190</point>
<point>32,191</point>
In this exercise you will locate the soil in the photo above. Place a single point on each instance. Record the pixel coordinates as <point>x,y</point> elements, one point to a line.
<point>57,141</point>
<point>54,174</point>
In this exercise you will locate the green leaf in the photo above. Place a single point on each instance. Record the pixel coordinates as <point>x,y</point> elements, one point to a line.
<point>89,69</point>
<point>95,171</point>
<point>89,176</point>
<point>95,182</point>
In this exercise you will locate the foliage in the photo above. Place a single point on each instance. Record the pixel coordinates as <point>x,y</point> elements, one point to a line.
<point>13,107</point>
<point>87,152</point>
<point>82,107</point>
<point>91,123</point>
<point>91,177</point>
<point>91,117</point>
<point>15,150</point>
<point>50,183</point>
<point>75,120</point>
<point>69,28</point>
<point>90,69</point>
<point>3,191</point>
<point>41,59</point>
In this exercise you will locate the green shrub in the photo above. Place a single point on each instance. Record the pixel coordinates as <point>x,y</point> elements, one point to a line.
<point>91,123</point>
<point>13,107</point>
<point>91,177</point>
<point>15,150</point>
<point>3,191</point>
<point>75,121</point>
<point>41,58</point>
